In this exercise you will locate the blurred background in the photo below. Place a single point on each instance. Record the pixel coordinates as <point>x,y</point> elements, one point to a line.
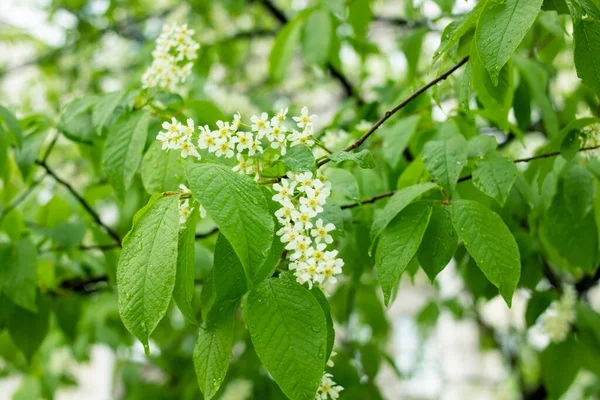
<point>440,344</point>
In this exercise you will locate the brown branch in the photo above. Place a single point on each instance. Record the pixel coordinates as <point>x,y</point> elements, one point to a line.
<point>81,201</point>
<point>349,90</point>
<point>399,107</point>
<point>465,178</point>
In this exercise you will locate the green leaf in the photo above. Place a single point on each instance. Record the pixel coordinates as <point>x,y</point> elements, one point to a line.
<point>363,158</point>
<point>570,145</point>
<point>289,332</point>
<point>560,364</point>
<point>399,243</point>
<point>104,108</point>
<point>283,49</point>
<point>183,292</point>
<point>4,162</point>
<point>536,77</point>
<point>28,329</point>
<point>237,205</point>
<point>586,33</point>
<point>18,278</point>
<point>12,123</point>
<point>481,145</point>
<point>148,266</point>
<point>501,28</point>
<point>29,152</point>
<point>213,350</point>
<point>299,159</point>
<point>445,159</point>
<point>464,88</point>
<point>396,138</point>
<point>496,98</point>
<point>495,176</point>
<point>205,112</point>
<point>316,36</point>
<point>76,119</point>
<point>455,30</point>
<point>397,203</point>
<point>359,17</point>
<point>161,170</point>
<point>578,190</point>
<point>342,181</point>
<point>123,149</point>
<point>327,311</point>
<point>490,243</point>
<point>439,242</point>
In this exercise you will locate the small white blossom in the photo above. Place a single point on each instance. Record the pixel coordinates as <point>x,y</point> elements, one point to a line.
<point>304,120</point>
<point>328,388</point>
<point>322,232</point>
<point>556,321</point>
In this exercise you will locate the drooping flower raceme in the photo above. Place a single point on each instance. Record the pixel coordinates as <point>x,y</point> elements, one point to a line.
<point>172,64</point>
<point>590,139</point>
<point>556,321</point>
<point>302,197</point>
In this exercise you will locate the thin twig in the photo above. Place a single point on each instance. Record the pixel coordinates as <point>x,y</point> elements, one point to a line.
<point>349,89</point>
<point>399,107</point>
<point>81,201</point>
<point>465,178</point>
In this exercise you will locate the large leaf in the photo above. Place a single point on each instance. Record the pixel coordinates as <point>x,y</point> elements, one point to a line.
<point>237,205</point>
<point>148,266</point>
<point>444,159</point>
<point>76,119</point>
<point>397,203</point>
<point>123,149</point>
<point>213,350</point>
<point>501,28</point>
<point>491,244</point>
<point>587,47</point>
<point>342,181</point>
<point>495,176</point>
<point>161,170</point>
<point>560,363</point>
<point>183,292</point>
<point>399,243</point>
<point>289,332</point>
<point>18,278</point>
<point>396,138</point>
<point>316,36</point>
<point>363,158</point>
<point>28,329</point>
<point>496,98</point>
<point>439,242</point>
<point>104,108</point>
<point>12,123</point>
<point>283,49</point>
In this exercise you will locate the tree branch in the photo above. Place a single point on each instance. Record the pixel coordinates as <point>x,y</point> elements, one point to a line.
<point>81,201</point>
<point>349,90</point>
<point>465,178</point>
<point>399,107</point>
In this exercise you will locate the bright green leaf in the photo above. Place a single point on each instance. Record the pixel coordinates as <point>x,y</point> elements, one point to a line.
<point>363,158</point>
<point>439,242</point>
<point>161,170</point>
<point>283,49</point>
<point>183,292</point>
<point>148,266</point>
<point>586,33</point>
<point>399,243</point>
<point>490,243</point>
<point>445,159</point>
<point>104,108</point>
<point>495,176</point>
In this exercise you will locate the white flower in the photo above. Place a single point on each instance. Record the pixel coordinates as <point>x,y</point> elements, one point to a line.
<point>224,147</point>
<point>244,166</point>
<point>322,232</point>
<point>244,141</point>
<point>280,117</point>
<point>237,121</point>
<point>261,125</point>
<point>206,140</point>
<point>284,191</point>
<point>302,219</point>
<point>310,206</point>
<point>304,120</point>
<point>223,132</point>
<point>304,137</point>
<point>255,147</point>
<point>188,149</point>
<point>184,189</point>
<point>284,214</point>
<point>304,180</point>
<point>328,388</point>
<point>184,211</point>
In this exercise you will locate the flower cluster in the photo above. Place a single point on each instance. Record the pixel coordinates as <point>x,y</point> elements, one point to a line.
<point>229,139</point>
<point>175,48</point>
<point>185,209</point>
<point>302,198</point>
<point>556,321</point>
<point>328,388</point>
